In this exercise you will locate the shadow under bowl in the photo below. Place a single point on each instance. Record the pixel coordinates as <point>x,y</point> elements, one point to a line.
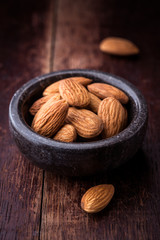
<point>84,158</point>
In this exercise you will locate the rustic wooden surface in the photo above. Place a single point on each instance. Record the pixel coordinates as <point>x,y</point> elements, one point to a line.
<point>37,37</point>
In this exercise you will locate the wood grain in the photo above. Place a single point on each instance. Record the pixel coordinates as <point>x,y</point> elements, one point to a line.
<point>25,42</point>
<point>37,37</point>
<point>133,212</point>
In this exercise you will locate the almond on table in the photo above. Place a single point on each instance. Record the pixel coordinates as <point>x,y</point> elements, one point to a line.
<point>97,198</point>
<point>54,87</point>
<point>50,117</point>
<point>103,90</point>
<point>118,46</point>
<point>113,115</point>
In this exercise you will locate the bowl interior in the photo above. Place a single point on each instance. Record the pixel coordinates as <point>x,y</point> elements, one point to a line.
<point>34,92</point>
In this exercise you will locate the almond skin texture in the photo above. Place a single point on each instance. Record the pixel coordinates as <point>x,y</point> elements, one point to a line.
<point>86,123</point>
<point>39,103</point>
<point>54,87</point>
<point>118,46</point>
<point>103,90</point>
<point>74,93</point>
<point>94,103</point>
<point>66,134</point>
<point>50,117</point>
<point>97,198</point>
<point>113,115</point>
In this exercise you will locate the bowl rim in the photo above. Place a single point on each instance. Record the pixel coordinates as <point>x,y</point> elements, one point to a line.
<point>135,125</point>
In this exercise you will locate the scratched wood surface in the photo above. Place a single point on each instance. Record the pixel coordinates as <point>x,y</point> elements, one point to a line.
<point>41,36</point>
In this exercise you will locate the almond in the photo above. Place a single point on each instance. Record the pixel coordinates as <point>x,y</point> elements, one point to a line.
<point>82,80</point>
<point>74,93</point>
<point>66,134</point>
<point>50,117</point>
<point>39,103</point>
<point>103,90</point>
<point>97,198</point>
<point>51,89</point>
<point>54,87</point>
<point>118,46</point>
<point>113,115</point>
<point>94,102</point>
<point>87,123</point>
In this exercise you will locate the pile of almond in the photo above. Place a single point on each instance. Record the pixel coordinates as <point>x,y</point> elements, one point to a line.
<point>75,107</point>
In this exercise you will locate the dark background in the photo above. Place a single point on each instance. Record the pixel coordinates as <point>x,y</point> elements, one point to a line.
<point>37,37</point>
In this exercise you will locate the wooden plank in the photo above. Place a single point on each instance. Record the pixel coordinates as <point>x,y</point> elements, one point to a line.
<point>134,210</point>
<point>25,45</point>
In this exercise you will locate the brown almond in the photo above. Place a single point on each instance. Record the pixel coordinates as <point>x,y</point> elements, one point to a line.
<point>50,117</point>
<point>97,198</point>
<point>39,103</point>
<point>82,80</point>
<point>113,115</point>
<point>86,123</point>
<point>54,87</point>
<point>118,46</point>
<point>103,90</point>
<point>51,89</point>
<point>74,93</point>
<point>94,102</point>
<point>66,134</point>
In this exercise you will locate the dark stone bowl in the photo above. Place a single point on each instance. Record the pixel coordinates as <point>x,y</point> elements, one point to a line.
<point>77,159</point>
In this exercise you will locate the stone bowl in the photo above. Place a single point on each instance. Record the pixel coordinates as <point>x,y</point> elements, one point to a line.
<point>83,158</point>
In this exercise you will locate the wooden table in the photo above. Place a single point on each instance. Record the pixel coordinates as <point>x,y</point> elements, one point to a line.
<point>41,36</point>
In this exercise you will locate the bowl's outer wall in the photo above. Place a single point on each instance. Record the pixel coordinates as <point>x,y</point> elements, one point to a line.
<point>77,159</point>
<point>78,162</point>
